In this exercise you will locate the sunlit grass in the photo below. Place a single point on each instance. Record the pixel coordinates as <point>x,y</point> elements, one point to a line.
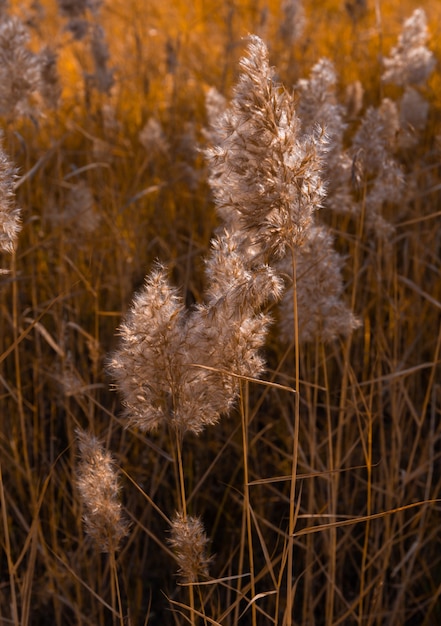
<point>366,512</point>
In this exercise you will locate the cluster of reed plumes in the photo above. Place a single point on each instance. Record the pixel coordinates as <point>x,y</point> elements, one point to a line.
<point>254,436</point>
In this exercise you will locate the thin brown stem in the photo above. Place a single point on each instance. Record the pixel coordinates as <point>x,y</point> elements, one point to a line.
<point>295,448</point>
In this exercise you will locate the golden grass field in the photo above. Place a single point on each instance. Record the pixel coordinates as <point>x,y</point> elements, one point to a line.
<point>320,492</point>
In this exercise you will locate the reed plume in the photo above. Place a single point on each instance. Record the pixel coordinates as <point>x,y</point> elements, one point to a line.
<point>321,311</point>
<point>102,77</point>
<point>293,21</point>
<point>414,112</point>
<point>49,86</point>
<point>172,364</point>
<point>409,65</point>
<point>153,139</point>
<point>265,177</point>
<point>189,543</point>
<point>410,61</point>
<point>99,487</point>
<point>318,105</point>
<point>10,223</point>
<point>267,172</point>
<point>20,69</point>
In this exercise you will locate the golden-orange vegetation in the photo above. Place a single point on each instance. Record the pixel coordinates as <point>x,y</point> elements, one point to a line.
<point>114,178</point>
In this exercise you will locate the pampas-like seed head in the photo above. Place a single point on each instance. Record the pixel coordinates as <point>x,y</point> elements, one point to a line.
<point>410,61</point>
<point>103,76</point>
<point>146,364</point>
<point>20,69</point>
<point>318,100</point>
<point>10,224</point>
<point>50,88</point>
<point>293,21</point>
<point>80,210</point>
<point>189,542</point>
<point>321,310</point>
<point>153,139</point>
<point>162,345</point>
<point>414,111</point>
<point>265,177</point>
<point>98,486</point>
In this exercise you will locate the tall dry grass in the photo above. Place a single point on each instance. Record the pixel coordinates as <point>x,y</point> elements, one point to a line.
<point>272,452</point>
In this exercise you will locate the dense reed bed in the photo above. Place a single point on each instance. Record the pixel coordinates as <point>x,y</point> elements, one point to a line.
<point>220,298</point>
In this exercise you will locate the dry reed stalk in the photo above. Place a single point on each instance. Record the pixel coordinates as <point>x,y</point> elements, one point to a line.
<point>8,553</point>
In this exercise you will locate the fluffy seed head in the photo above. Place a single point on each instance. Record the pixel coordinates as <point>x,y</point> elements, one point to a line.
<point>145,365</point>
<point>172,366</point>
<point>410,61</point>
<point>293,21</point>
<point>10,224</point>
<point>103,76</point>
<point>189,542</point>
<point>153,139</point>
<point>80,209</point>
<point>98,486</point>
<point>50,88</point>
<point>265,177</point>
<point>321,310</point>
<point>414,111</point>
<point>20,71</point>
